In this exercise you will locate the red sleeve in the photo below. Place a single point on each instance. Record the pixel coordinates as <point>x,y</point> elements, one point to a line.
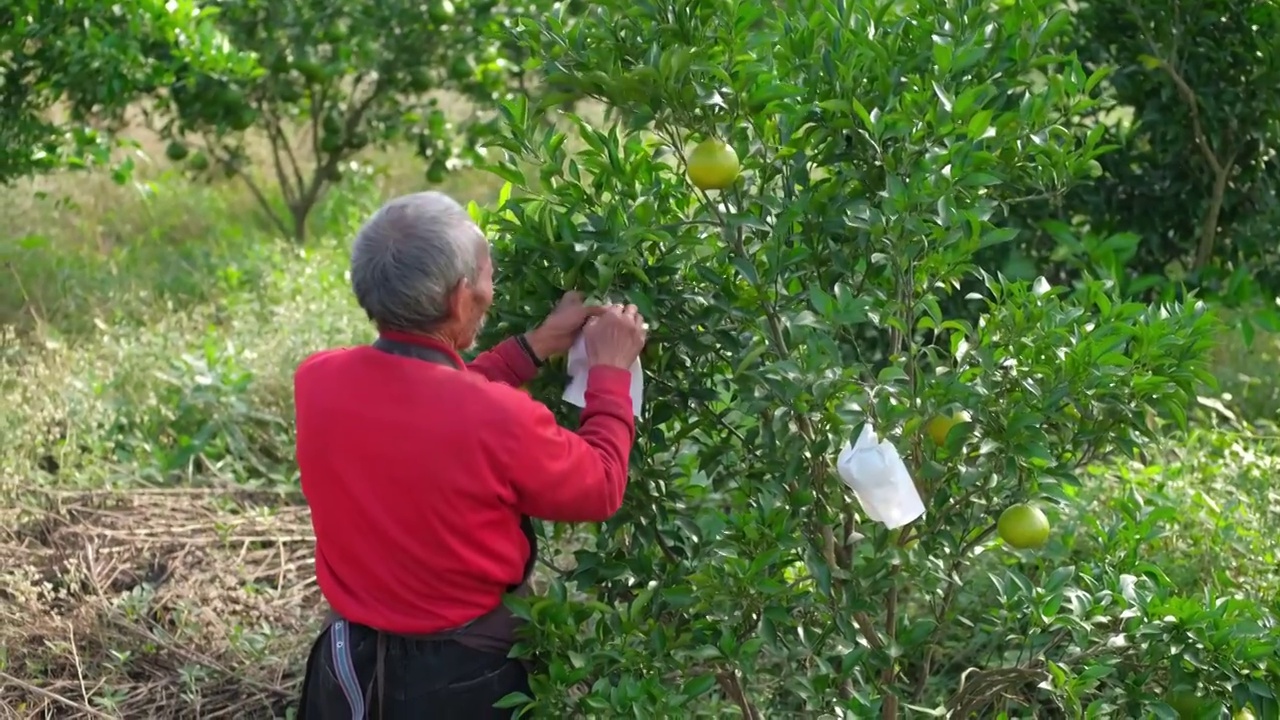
<point>506,363</point>
<point>563,476</point>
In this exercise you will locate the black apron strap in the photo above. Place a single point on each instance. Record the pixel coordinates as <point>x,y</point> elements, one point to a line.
<point>418,352</point>
<point>526,525</point>
<point>335,632</point>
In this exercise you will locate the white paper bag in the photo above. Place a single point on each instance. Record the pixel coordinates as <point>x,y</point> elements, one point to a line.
<point>576,367</point>
<point>875,472</point>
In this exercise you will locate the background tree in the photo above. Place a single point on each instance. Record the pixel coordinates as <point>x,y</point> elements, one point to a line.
<point>340,78</point>
<point>71,69</point>
<point>1189,194</point>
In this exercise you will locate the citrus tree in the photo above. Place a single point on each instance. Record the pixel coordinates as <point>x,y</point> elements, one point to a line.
<point>339,79</point>
<point>789,192</point>
<point>71,69</point>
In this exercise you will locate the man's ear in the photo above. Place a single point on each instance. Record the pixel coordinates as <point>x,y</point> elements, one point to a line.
<point>458,297</point>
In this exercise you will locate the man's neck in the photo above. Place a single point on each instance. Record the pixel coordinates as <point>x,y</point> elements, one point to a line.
<point>439,336</point>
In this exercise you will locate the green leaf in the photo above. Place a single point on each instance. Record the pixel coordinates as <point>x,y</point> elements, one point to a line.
<point>864,116</point>
<point>698,686</point>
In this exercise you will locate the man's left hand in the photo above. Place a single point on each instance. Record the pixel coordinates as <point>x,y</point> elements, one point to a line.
<point>556,334</point>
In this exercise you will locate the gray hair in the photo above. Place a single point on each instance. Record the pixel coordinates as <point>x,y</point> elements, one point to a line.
<point>409,257</point>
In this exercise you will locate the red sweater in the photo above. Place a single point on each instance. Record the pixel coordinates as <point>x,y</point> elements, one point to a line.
<point>417,475</point>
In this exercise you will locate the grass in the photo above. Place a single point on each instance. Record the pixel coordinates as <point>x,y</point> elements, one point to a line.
<point>160,560</point>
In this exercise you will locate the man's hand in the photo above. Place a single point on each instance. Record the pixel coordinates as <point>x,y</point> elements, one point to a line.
<point>556,334</point>
<point>615,338</point>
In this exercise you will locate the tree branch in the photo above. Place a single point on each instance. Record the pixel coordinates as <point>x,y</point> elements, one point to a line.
<point>276,128</point>
<point>276,137</point>
<point>1209,227</point>
<point>226,160</point>
<point>868,630</point>
<point>731,684</point>
<point>1193,110</point>
<point>1221,168</point>
<point>323,169</point>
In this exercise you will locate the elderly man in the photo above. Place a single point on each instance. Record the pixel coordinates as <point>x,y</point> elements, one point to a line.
<point>422,471</point>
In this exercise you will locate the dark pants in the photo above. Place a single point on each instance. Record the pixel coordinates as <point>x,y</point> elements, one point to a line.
<point>421,678</point>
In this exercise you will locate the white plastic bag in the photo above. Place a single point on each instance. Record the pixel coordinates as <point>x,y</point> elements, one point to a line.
<point>576,368</point>
<point>875,472</point>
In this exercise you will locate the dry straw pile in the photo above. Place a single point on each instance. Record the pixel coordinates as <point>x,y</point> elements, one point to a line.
<point>154,604</point>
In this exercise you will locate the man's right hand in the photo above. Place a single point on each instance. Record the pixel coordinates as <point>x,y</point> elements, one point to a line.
<point>615,337</point>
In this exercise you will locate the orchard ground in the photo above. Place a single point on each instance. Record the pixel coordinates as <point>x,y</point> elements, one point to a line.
<point>158,556</point>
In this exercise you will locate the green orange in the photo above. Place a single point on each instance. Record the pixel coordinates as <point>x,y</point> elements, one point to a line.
<point>1023,526</point>
<point>713,165</point>
<point>939,426</point>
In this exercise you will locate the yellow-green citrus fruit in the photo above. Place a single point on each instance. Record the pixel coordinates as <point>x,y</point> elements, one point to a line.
<point>939,425</point>
<point>440,11</point>
<point>1185,703</point>
<point>713,165</point>
<point>1243,714</point>
<point>1023,526</point>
